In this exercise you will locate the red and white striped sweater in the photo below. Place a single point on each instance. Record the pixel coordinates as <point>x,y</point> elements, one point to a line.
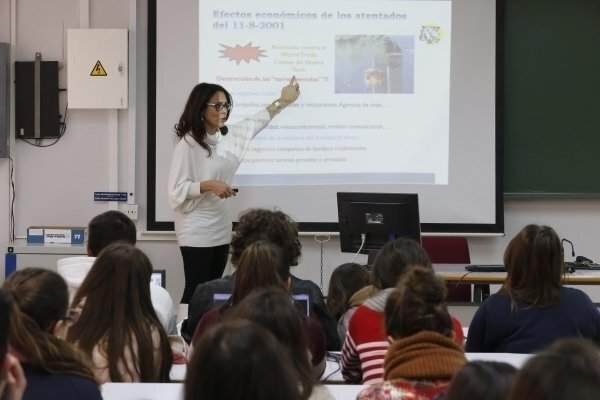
<point>366,342</point>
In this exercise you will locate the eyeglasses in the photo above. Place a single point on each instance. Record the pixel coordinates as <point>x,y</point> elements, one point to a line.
<point>219,106</point>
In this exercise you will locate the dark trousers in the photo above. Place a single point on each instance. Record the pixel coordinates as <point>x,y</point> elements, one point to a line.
<point>202,264</point>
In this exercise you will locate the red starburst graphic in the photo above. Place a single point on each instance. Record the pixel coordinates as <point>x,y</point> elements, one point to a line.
<point>239,53</point>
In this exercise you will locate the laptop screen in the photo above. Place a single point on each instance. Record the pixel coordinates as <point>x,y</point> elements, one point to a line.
<point>159,278</point>
<point>301,301</point>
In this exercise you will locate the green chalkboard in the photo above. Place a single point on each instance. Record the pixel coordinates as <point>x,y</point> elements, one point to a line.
<point>549,99</point>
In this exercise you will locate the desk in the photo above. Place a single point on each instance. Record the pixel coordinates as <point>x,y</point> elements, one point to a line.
<point>174,391</point>
<point>516,360</point>
<point>456,273</point>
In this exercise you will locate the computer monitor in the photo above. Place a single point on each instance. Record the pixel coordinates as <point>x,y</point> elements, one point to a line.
<point>159,277</point>
<point>380,217</point>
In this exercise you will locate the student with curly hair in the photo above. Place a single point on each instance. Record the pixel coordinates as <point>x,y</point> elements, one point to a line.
<point>532,309</point>
<point>258,269</point>
<point>54,368</point>
<point>422,357</point>
<point>280,229</point>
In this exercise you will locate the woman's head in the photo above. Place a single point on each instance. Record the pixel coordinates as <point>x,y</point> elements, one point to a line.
<point>238,360</point>
<point>534,263</point>
<point>274,310</point>
<point>39,307</point>
<point>206,110</point>
<point>482,380</point>
<point>258,267</point>
<point>569,369</point>
<point>40,294</point>
<point>116,307</point>
<point>418,304</point>
<point>395,258</point>
<point>273,226</point>
<point>345,280</point>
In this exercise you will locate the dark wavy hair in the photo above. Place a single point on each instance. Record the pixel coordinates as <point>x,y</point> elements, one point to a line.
<point>534,266</point>
<point>418,304</point>
<point>191,120</point>
<point>395,258</point>
<point>272,226</point>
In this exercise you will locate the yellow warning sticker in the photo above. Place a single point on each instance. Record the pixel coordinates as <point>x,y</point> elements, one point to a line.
<point>98,70</point>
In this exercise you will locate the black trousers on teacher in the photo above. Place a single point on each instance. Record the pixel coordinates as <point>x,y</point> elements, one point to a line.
<point>202,264</point>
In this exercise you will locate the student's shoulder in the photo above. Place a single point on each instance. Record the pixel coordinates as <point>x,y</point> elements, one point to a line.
<point>569,294</point>
<point>41,383</point>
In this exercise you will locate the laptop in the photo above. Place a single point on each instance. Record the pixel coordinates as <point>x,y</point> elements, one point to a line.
<point>301,301</point>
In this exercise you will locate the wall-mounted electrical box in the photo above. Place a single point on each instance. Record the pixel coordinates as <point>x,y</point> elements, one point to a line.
<point>97,68</point>
<point>36,99</point>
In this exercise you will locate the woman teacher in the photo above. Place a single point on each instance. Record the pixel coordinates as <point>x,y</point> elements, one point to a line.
<point>204,162</point>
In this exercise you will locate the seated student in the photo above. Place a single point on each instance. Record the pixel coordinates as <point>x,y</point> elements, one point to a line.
<point>423,356</point>
<point>104,229</point>
<point>568,370</point>
<point>12,378</point>
<point>482,380</point>
<point>239,360</point>
<point>532,309</point>
<point>346,280</point>
<point>259,267</point>
<point>55,369</point>
<point>279,229</point>
<point>115,323</point>
<point>274,310</point>
<point>366,341</point>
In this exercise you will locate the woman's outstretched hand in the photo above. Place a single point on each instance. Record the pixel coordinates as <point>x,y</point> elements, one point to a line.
<point>290,92</point>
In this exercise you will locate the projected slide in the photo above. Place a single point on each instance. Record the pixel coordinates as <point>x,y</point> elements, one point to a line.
<point>375,87</point>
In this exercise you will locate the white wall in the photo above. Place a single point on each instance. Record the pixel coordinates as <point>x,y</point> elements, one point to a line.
<point>55,186</point>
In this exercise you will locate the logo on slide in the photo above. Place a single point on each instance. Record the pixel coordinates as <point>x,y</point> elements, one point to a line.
<point>239,53</point>
<point>430,34</point>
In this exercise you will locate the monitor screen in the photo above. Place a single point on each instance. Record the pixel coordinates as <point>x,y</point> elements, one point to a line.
<point>159,278</point>
<point>368,220</point>
<point>301,301</point>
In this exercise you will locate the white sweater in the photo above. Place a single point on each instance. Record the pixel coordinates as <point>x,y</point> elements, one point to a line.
<point>203,219</point>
